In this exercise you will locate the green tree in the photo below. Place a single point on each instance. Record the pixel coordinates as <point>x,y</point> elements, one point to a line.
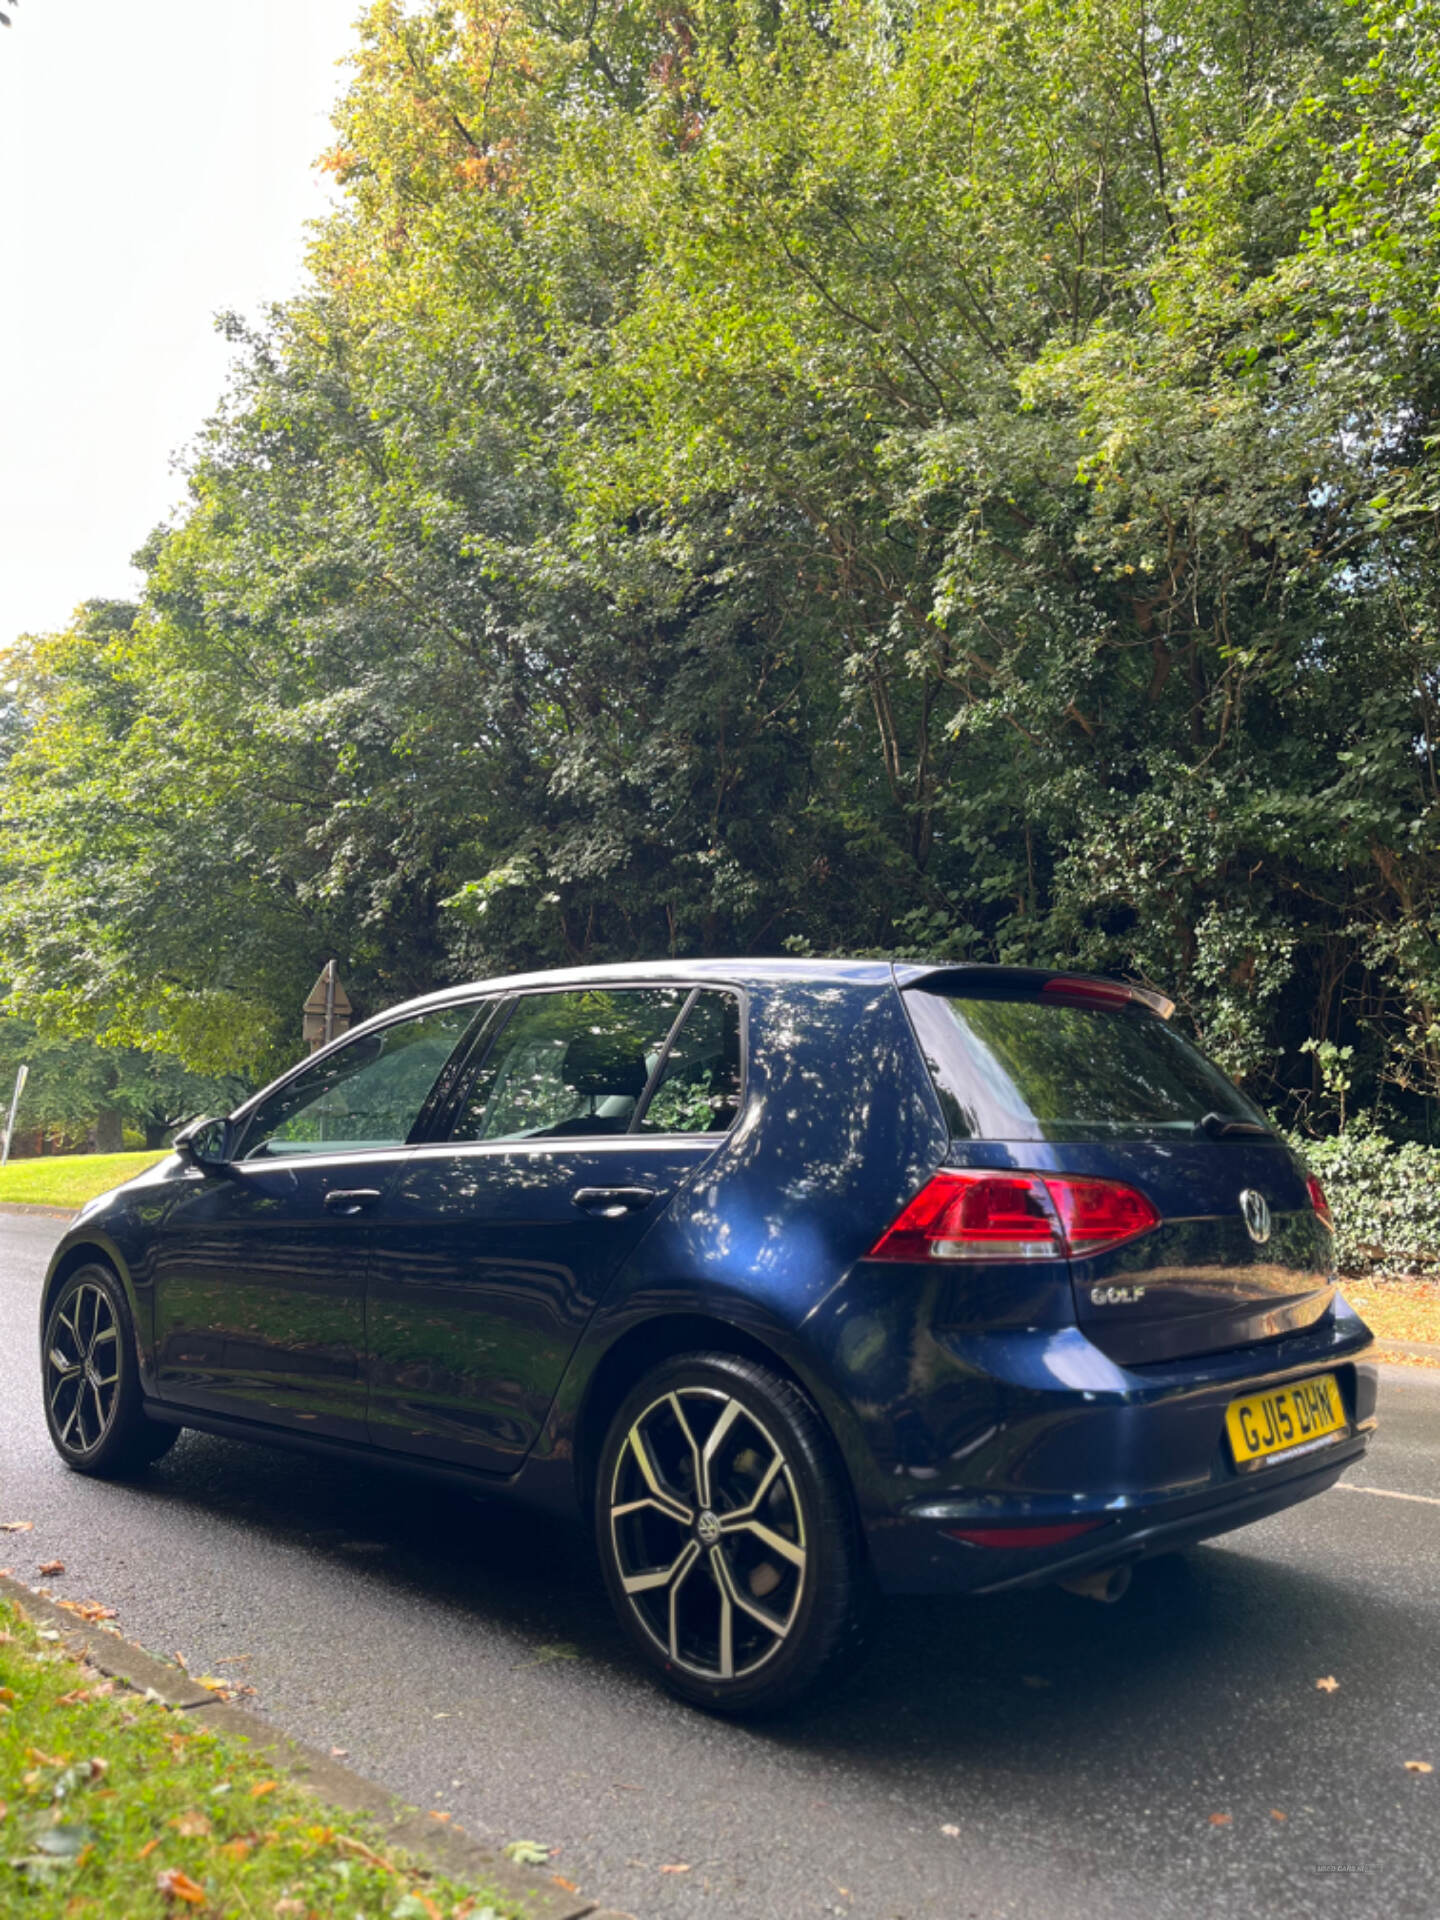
<point>954,479</point>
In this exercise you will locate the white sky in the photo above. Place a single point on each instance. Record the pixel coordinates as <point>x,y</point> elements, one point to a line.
<point>156,167</point>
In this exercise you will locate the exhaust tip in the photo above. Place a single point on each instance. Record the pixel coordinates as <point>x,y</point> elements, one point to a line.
<point>1107,1585</point>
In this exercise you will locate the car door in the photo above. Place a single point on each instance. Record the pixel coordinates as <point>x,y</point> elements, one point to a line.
<point>591,1109</point>
<point>260,1267</point>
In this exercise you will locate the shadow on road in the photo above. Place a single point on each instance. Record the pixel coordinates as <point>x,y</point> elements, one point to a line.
<point>1039,1681</point>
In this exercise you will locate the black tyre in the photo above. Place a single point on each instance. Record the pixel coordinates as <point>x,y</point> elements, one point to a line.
<point>728,1535</point>
<point>91,1374</point>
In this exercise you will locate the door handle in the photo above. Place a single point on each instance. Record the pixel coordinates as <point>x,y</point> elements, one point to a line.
<point>613,1203</point>
<point>351,1199</point>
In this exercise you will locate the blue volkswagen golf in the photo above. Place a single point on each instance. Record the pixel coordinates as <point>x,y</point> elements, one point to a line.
<point>799,1281</point>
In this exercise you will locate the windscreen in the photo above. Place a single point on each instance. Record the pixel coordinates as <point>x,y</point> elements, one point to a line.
<point>1016,1066</point>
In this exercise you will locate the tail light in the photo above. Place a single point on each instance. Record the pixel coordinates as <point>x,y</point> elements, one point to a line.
<point>1014,1216</point>
<point>1318,1200</point>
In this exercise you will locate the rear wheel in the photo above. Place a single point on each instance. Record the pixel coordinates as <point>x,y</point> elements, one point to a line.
<point>92,1379</point>
<point>728,1535</point>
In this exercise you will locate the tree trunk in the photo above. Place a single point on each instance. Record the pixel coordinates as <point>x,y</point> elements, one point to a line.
<point>155,1132</point>
<point>107,1135</point>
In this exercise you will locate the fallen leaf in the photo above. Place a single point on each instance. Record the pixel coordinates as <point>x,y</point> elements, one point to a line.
<point>951,1833</point>
<point>235,1849</point>
<point>88,1609</point>
<point>1220,1819</point>
<point>17,1526</point>
<point>1418,1766</point>
<point>146,1851</point>
<point>570,1886</point>
<point>193,1825</point>
<point>1329,1684</point>
<point>49,1568</point>
<point>681,1866</point>
<point>68,1699</point>
<point>339,1753</point>
<point>39,1759</point>
<point>365,1853</point>
<point>1275,1814</point>
<point>529,1853</point>
<point>438,1816</point>
<point>7,1693</point>
<point>176,1885</point>
<point>262,1787</point>
<point>214,1685</point>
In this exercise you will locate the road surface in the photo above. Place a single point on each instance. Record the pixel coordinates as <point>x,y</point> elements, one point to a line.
<point>1037,1756</point>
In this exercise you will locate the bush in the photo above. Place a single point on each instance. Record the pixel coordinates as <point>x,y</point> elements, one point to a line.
<point>1385,1199</point>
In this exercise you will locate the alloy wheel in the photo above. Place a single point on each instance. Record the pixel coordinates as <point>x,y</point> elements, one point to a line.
<point>82,1368</point>
<point>708,1533</point>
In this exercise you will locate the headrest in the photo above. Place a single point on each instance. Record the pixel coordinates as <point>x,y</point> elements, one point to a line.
<point>599,1063</point>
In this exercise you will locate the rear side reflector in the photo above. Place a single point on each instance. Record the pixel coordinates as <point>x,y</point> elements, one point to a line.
<point>1005,1537</point>
<point>1014,1216</point>
<point>1318,1200</point>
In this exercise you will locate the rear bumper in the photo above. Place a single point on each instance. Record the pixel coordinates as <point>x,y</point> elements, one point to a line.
<point>1138,1456</point>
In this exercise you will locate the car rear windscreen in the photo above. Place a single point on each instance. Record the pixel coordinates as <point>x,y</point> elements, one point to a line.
<point>1015,1066</point>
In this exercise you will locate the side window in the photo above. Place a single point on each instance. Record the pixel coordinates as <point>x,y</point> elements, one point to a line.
<point>699,1091</point>
<point>368,1094</point>
<point>570,1063</point>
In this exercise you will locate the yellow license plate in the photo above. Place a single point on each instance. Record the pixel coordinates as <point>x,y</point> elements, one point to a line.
<point>1286,1417</point>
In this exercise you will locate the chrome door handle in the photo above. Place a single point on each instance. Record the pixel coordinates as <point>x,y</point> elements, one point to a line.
<point>351,1199</point>
<point>612,1203</point>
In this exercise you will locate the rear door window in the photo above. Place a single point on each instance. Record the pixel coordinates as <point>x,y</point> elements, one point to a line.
<point>570,1064</point>
<point>1018,1066</point>
<point>699,1087</point>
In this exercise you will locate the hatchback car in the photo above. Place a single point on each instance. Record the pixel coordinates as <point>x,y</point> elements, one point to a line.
<point>801,1280</point>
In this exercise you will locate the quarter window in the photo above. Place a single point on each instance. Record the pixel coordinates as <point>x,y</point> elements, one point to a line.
<point>570,1064</point>
<point>369,1093</point>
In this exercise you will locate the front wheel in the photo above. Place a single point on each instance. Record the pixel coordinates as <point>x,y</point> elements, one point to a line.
<point>728,1536</point>
<point>92,1379</point>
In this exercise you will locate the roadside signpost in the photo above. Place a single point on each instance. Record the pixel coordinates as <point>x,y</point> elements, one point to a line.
<point>20,1078</point>
<point>327,1011</point>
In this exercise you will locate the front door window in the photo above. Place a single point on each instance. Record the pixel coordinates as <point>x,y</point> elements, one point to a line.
<point>366,1094</point>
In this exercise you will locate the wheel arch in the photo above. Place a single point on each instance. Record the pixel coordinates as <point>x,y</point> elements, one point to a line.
<point>90,1249</point>
<point>659,1337</point>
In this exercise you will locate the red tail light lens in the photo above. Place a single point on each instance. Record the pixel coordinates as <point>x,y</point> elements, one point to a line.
<point>1318,1200</point>
<point>1100,1213</point>
<point>975,1216</point>
<point>1014,1216</point>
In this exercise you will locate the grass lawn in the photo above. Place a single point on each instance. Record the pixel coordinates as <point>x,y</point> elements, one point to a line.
<point>113,1805</point>
<point>70,1179</point>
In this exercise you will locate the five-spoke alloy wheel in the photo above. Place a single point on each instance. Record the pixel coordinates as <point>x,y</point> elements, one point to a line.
<point>91,1379</point>
<point>727,1535</point>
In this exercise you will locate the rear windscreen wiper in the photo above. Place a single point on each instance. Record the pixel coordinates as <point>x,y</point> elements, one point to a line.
<point>1220,1128</point>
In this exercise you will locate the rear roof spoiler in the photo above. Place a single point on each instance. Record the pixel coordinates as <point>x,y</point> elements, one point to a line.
<point>977,977</point>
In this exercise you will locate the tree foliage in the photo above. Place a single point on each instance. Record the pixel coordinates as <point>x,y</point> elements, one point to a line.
<point>937,477</point>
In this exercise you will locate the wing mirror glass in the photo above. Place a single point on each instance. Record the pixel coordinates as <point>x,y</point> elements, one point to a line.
<point>204,1142</point>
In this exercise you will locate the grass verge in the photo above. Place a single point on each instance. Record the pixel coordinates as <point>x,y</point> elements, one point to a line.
<point>69,1179</point>
<point>111,1804</point>
<point>1397,1309</point>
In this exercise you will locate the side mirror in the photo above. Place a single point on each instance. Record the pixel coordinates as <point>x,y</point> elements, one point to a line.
<point>204,1142</point>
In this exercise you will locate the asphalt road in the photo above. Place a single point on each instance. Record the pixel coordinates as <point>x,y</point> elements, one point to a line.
<point>1038,1756</point>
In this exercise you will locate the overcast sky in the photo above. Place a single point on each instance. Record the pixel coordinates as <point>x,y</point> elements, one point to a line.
<point>156,167</point>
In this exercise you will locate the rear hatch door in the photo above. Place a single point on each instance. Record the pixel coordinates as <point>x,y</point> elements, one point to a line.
<point>1068,1077</point>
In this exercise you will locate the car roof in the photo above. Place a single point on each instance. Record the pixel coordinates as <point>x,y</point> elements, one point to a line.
<point>736,972</point>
